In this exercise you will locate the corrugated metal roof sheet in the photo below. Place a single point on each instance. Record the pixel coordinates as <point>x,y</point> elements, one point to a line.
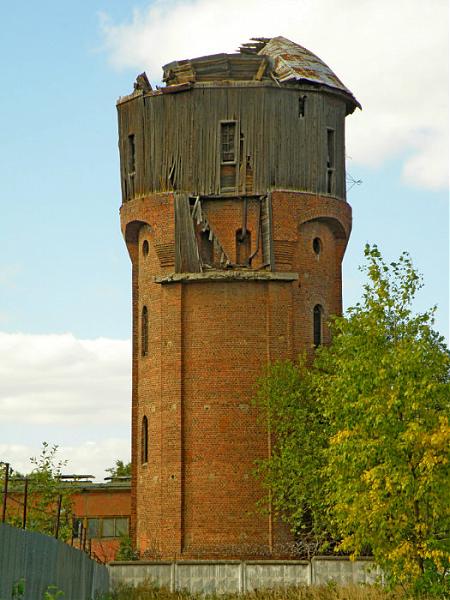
<point>292,61</point>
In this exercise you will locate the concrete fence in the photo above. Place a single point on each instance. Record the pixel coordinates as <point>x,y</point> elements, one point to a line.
<point>222,577</point>
<point>42,561</point>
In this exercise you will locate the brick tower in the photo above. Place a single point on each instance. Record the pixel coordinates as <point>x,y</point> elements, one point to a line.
<point>235,217</point>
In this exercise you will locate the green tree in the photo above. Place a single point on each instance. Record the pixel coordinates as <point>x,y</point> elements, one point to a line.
<point>382,389</point>
<point>120,469</point>
<point>299,433</point>
<point>45,492</point>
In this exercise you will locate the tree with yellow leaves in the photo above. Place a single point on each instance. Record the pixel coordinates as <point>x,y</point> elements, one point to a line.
<point>382,389</point>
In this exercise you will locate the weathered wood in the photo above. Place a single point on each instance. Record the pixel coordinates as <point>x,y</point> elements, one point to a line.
<point>177,139</point>
<point>186,251</point>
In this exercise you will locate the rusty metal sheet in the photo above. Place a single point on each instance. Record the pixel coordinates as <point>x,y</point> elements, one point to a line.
<point>292,61</point>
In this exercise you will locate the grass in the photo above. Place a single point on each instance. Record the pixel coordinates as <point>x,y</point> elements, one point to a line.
<point>325,592</point>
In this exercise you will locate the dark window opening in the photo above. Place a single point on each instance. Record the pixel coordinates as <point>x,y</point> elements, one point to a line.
<point>317,326</point>
<point>145,248</point>
<point>131,155</point>
<point>144,441</point>
<point>330,148</point>
<point>206,248</point>
<point>77,526</point>
<point>243,247</point>
<point>301,106</point>
<point>317,245</point>
<point>144,332</point>
<point>330,161</point>
<point>330,174</point>
<point>228,142</point>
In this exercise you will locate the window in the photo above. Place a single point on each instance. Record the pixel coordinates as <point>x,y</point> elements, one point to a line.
<point>93,528</point>
<point>145,247</point>
<point>301,106</point>
<point>144,331</point>
<point>206,248</point>
<point>317,245</point>
<point>330,161</point>
<point>107,527</point>
<point>77,525</point>
<point>228,146</point>
<point>144,441</point>
<point>121,526</point>
<point>131,154</point>
<point>243,247</point>
<point>317,326</point>
<point>228,142</point>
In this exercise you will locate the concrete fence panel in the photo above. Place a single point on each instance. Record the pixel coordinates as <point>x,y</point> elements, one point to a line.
<point>226,577</point>
<point>42,561</point>
<point>343,571</point>
<point>209,577</point>
<point>266,574</point>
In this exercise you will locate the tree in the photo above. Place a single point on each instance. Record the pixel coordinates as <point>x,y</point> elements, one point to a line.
<point>382,389</point>
<point>120,469</point>
<point>299,433</point>
<point>46,496</point>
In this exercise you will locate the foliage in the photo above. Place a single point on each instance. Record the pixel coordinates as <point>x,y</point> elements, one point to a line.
<point>294,475</point>
<point>147,591</point>
<point>18,589</point>
<point>44,490</point>
<point>52,593</point>
<point>382,388</point>
<point>120,469</point>
<point>126,552</point>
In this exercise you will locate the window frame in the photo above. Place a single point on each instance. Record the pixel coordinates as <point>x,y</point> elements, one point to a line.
<point>235,142</point>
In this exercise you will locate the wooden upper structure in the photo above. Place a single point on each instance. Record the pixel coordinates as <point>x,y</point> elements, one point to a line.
<point>270,117</point>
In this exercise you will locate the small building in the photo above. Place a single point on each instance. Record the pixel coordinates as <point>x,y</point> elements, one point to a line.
<point>101,515</point>
<point>100,511</point>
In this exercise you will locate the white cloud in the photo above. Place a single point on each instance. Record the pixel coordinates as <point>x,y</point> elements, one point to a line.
<point>86,458</point>
<point>72,392</point>
<point>392,55</point>
<point>59,379</point>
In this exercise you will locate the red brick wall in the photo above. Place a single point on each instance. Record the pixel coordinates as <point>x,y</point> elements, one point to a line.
<point>208,342</point>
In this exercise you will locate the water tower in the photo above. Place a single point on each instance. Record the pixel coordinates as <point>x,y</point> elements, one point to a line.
<point>235,217</point>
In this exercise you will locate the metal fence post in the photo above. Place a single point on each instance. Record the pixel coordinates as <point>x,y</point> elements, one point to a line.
<point>25,502</point>
<point>5,492</point>
<point>58,516</point>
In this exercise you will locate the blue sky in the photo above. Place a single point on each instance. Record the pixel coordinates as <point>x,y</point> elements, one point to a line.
<point>63,265</point>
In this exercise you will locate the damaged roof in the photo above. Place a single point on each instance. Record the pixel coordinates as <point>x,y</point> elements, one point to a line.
<point>294,62</point>
<point>262,59</point>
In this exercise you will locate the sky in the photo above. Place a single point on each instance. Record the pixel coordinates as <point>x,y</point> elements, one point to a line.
<point>65,277</point>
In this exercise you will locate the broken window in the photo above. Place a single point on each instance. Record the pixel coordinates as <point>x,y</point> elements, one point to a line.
<point>131,155</point>
<point>144,441</point>
<point>317,326</point>
<point>228,155</point>
<point>228,142</point>
<point>301,106</point>
<point>206,248</point>
<point>243,246</point>
<point>144,331</point>
<point>330,161</point>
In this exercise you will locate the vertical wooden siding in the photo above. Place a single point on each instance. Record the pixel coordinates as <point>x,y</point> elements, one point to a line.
<point>177,140</point>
